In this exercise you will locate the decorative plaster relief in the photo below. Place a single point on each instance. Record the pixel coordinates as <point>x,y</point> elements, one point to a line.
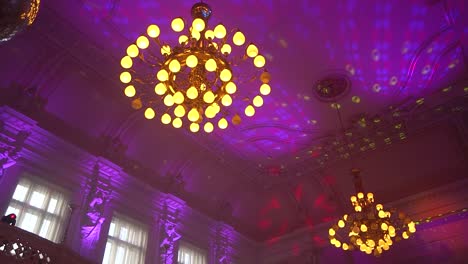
<point>10,150</point>
<point>98,195</point>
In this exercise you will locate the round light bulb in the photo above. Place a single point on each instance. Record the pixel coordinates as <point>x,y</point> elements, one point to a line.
<point>133,51</point>
<point>220,31</point>
<point>160,89</point>
<point>360,195</point>
<point>177,122</point>
<point>345,246</point>
<point>210,111</point>
<point>169,100</point>
<point>162,75</point>
<point>249,110</point>
<point>379,207</point>
<point>166,50</point>
<point>195,34</point>
<point>191,61</point>
<point>130,91</point>
<point>384,226</point>
<point>166,119</point>
<point>210,65</point>
<point>179,111</point>
<point>226,100</point>
<point>265,77</point>
<point>356,231</point>
<point>252,51</point>
<point>193,115</point>
<point>381,214</point>
<point>149,113</point>
<point>183,39</point>
<point>198,24</point>
<point>177,24</point>
<point>142,42</point>
<point>178,97</point>
<point>126,62</point>
<point>174,66</point>
<point>259,61</point>
<point>216,107</point>
<point>226,49</point>
<point>153,31</point>
<point>192,92</point>
<point>353,198</point>
<point>341,223</point>
<point>208,97</point>
<point>222,123</point>
<point>225,75</point>
<point>208,127</point>
<point>209,34</point>
<point>370,196</point>
<point>230,88</point>
<point>238,38</point>
<point>125,77</point>
<point>363,228</point>
<point>194,127</point>
<point>331,232</point>
<point>405,235</point>
<point>257,101</point>
<point>265,89</point>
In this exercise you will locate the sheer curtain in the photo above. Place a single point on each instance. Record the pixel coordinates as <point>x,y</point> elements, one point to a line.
<point>126,243</point>
<point>41,208</point>
<point>189,254</point>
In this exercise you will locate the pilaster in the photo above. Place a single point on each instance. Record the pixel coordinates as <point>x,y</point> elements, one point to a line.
<point>169,233</point>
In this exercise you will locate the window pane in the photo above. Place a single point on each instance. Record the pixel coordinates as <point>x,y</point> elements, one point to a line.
<point>37,199</point>
<point>29,222</point>
<point>44,228</point>
<point>12,210</point>
<point>119,258</point>
<point>128,240</point>
<point>123,233</point>
<point>107,253</point>
<point>52,205</point>
<point>111,229</point>
<point>20,193</point>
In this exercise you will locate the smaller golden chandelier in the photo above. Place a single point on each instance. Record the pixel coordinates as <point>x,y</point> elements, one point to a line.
<point>193,82</point>
<point>369,228</point>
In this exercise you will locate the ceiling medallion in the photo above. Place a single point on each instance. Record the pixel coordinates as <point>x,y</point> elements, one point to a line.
<point>194,82</point>
<point>16,16</point>
<point>332,87</point>
<point>369,228</point>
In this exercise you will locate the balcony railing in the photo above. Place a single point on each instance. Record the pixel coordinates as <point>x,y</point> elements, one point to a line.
<point>20,246</point>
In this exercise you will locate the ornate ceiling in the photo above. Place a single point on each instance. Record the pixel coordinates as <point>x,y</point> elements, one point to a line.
<point>397,68</point>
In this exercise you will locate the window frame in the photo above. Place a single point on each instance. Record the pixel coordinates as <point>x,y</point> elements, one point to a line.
<point>117,241</point>
<point>24,206</point>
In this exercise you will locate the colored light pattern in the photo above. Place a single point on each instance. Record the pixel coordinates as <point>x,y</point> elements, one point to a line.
<point>397,51</point>
<point>399,56</point>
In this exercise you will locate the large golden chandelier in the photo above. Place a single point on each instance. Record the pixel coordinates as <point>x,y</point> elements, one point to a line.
<point>194,79</point>
<point>369,228</point>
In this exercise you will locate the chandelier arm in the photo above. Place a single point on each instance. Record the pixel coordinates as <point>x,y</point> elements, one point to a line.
<point>156,60</point>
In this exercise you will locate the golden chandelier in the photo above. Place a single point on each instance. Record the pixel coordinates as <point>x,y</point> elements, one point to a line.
<point>194,79</point>
<point>369,228</point>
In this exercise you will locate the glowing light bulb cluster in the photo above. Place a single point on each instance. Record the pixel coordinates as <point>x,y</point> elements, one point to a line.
<point>370,228</point>
<point>193,83</point>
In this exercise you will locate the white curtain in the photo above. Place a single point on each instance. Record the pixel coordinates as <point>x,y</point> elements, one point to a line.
<point>41,208</point>
<point>189,254</point>
<point>126,243</point>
